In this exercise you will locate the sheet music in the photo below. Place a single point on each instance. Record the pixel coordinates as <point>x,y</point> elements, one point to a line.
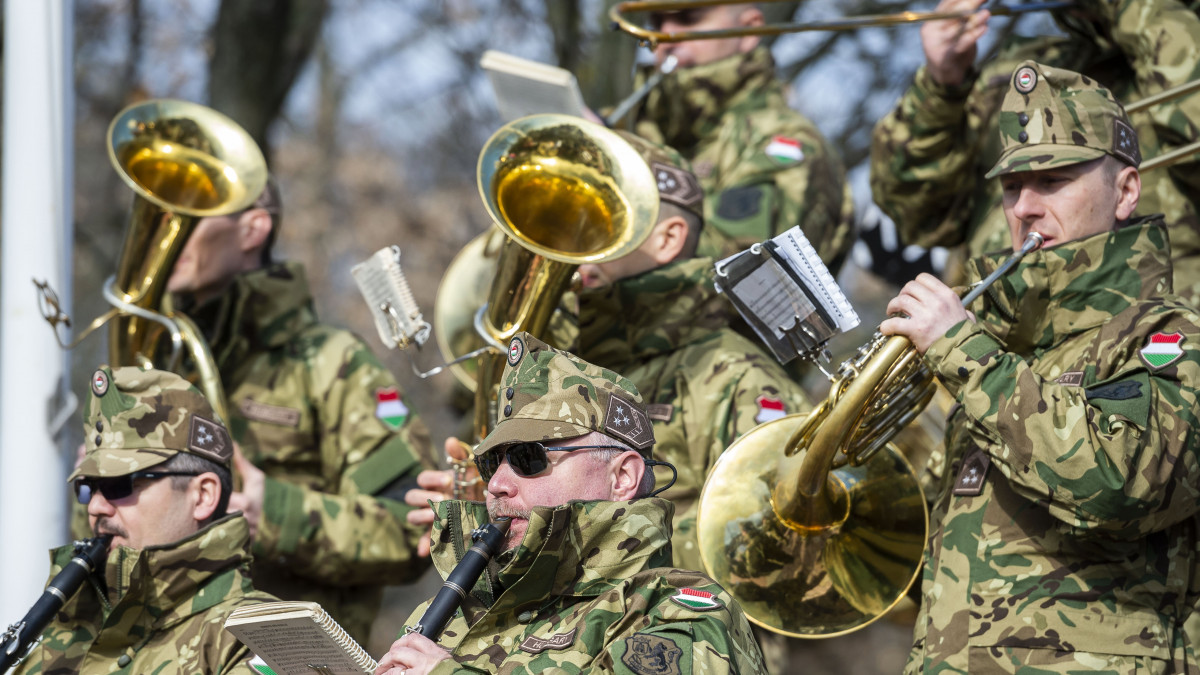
<point>805,261</point>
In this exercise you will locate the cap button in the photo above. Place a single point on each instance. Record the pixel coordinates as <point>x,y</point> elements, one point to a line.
<point>1023,137</point>
<point>98,439</point>
<point>509,394</point>
<point>507,410</point>
<point>1023,119</point>
<point>525,617</point>
<point>123,661</point>
<point>99,425</point>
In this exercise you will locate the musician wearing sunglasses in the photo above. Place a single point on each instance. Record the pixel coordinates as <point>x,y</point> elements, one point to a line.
<point>585,579</point>
<point>156,479</point>
<point>1063,531</point>
<point>929,154</point>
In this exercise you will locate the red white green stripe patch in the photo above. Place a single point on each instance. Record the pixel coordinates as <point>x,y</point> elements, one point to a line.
<point>1162,350</point>
<point>260,666</point>
<point>785,149</point>
<point>769,408</point>
<point>389,408</point>
<point>696,599</point>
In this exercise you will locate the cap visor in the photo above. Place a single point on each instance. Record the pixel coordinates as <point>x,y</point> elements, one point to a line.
<point>518,430</point>
<point>1042,156</point>
<point>103,463</point>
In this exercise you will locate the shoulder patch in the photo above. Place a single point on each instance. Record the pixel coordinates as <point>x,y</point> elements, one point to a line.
<point>1071,379</point>
<point>696,599</point>
<point>650,654</point>
<point>785,150</point>
<point>660,412</point>
<point>271,414</point>
<point>740,203</point>
<point>769,408</point>
<point>389,408</point>
<point>1162,349</point>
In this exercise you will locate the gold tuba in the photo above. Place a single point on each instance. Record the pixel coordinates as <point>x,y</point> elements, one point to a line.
<point>564,192</point>
<point>826,536</point>
<point>184,162</point>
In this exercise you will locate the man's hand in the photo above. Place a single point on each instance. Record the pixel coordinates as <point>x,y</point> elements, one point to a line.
<point>950,44</point>
<point>413,654</point>
<point>931,309</point>
<point>250,500</point>
<point>435,486</point>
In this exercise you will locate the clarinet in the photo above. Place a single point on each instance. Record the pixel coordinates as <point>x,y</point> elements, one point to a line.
<point>462,578</point>
<point>19,639</point>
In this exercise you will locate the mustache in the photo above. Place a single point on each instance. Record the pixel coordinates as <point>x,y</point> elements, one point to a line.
<point>504,508</point>
<point>105,525</point>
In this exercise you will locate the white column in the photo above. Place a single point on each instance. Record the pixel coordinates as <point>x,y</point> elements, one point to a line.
<point>35,242</point>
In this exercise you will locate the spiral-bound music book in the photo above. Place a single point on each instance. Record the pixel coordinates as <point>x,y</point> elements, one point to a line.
<point>298,638</point>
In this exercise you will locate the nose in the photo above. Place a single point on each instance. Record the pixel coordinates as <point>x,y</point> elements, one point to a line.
<point>99,506</point>
<point>503,482</point>
<point>1028,205</point>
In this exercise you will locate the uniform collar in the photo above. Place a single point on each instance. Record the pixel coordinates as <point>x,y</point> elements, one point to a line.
<point>261,310</point>
<point>577,549</point>
<point>159,586</point>
<point>689,103</point>
<point>656,312</point>
<point>1061,291</point>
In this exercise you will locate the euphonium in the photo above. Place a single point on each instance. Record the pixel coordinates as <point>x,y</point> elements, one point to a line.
<point>826,536</point>
<point>184,162</point>
<point>564,192</point>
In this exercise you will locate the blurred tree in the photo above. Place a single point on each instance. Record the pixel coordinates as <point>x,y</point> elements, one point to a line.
<point>258,49</point>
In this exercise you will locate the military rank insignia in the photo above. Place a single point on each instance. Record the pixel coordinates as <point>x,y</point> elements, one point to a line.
<point>785,150</point>
<point>1162,350</point>
<point>693,598</point>
<point>389,408</point>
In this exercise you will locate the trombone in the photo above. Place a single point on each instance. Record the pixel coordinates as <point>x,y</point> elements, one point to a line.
<point>652,38</point>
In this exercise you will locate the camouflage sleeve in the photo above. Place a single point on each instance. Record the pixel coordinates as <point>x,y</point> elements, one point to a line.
<point>1161,40</point>
<point>1119,455</point>
<point>922,161</point>
<point>375,446</point>
<point>774,184</point>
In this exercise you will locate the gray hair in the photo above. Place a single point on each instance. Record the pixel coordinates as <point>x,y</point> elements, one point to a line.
<point>619,448</point>
<point>189,463</point>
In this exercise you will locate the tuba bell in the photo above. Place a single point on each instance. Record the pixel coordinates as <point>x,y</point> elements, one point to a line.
<point>562,192</point>
<point>825,537</point>
<point>184,162</point>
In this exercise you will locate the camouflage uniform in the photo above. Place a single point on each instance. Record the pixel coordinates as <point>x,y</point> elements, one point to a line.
<point>929,155</point>
<point>586,588</point>
<point>589,588</point>
<point>160,609</point>
<point>764,167</point>
<point>310,407</point>
<point>705,385</point>
<point>1064,533</point>
<point>163,612</point>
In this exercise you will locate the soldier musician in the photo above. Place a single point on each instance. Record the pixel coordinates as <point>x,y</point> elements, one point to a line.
<point>1063,534</point>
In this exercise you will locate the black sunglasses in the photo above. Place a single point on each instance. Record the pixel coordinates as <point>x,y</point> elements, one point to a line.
<point>118,487</point>
<point>526,459</point>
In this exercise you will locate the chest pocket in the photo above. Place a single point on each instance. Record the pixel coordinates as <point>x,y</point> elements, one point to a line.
<point>1121,400</point>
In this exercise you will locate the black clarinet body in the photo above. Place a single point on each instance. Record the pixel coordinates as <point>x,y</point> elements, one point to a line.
<point>20,637</point>
<point>462,578</point>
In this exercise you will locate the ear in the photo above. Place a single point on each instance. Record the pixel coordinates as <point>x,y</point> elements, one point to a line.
<point>750,16</point>
<point>669,237</point>
<point>205,493</point>
<point>254,226</point>
<point>1129,186</point>
<point>626,470</point>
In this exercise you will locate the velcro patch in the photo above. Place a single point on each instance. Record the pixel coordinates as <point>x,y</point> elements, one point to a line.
<point>1071,379</point>
<point>537,645</point>
<point>1116,391</point>
<point>970,478</point>
<point>628,422</point>
<point>210,440</point>
<point>271,414</point>
<point>1161,350</point>
<point>660,412</point>
<point>652,654</point>
<point>694,598</point>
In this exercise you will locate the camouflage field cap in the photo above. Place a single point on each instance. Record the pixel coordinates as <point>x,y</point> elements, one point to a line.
<point>1054,117</point>
<point>676,183</point>
<point>139,418</point>
<point>547,394</point>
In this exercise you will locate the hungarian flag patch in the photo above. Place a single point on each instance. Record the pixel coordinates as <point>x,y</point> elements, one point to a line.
<point>784,149</point>
<point>389,408</point>
<point>769,408</point>
<point>696,599</point>
<point>260,666</point>
<point>1162,349</point>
